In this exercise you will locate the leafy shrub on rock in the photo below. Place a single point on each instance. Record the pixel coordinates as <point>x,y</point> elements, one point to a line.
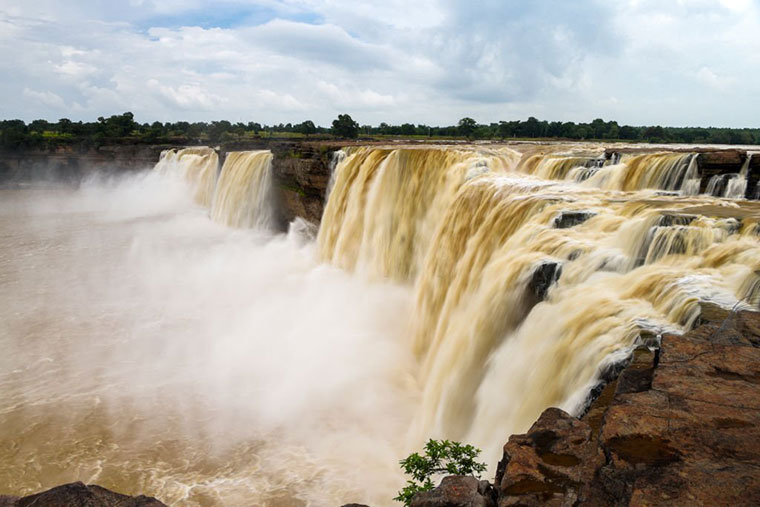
<point>440,457</point>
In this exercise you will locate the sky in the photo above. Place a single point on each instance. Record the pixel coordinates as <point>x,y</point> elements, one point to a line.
<point>640,62</point>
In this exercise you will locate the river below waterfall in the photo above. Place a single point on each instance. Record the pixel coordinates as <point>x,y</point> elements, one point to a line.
<point>149,350</point>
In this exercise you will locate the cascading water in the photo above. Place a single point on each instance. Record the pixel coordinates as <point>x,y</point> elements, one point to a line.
<point>155,351</point>
<point>730,186</point>
<point>662,171</point>
<point>736,187</point>
<point>242,197</point>
<point>495,346</point>
<point>197,166</point>
<point>385,205</point>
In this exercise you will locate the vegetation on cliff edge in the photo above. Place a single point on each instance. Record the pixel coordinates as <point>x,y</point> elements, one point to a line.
<point>123,129</point>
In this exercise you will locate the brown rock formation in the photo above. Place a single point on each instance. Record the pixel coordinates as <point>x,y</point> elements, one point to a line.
<point>457,490</point>
<point>301,172</point>
<point>554,461</point>
<point>73,164</point>
<point>679,426</point>
<point>77,494</point>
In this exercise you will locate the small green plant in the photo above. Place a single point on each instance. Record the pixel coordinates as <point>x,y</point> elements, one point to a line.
<point>441,457</point>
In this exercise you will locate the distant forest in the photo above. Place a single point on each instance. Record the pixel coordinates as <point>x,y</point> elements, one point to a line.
<point>123,129</point>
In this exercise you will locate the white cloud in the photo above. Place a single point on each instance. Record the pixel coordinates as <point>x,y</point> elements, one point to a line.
<point>48,99</point>
<point>711,79</point>
<point>76,70</point>
<point>186,96</point>
<point>432,61</point>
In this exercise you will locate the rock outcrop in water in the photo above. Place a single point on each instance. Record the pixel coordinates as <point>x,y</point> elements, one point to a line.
<point>77,494</point>
<point>679,426</point>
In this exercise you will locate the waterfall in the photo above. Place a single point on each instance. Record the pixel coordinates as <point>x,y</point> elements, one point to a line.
<point>385,204</point>
<point>716,185</point>
<point>730,186</point>
<point>736,188</point>
<point>242,197</point>
<point>556,167</point>
<point>663,171</point>
<point>676,172</point>
<point>527,283</point>
<point>197,166</point>
<point>337,157</point>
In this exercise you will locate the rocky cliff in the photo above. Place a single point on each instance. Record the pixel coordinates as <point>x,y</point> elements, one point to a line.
<point>301,173</point>
<point>74,164</point>
<point>679,426</point>
<point>301,169</point>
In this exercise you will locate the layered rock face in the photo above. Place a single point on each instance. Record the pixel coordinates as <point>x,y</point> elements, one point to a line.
<point>679,426</point>
<point>300,169</point>
<point>78,495</point>
<point>70,164</point>
<point>301,173</point>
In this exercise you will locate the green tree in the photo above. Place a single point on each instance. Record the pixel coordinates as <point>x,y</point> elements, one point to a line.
<point>628,132</point>
<point>345,126</point>
<point>408,129</point>
<point>306,128</point>
<point>441,457</point>
<point>218,128</point>
<point>466,127</point>
<point>598,128</point>
<point>532,127</point>
<point>655,133</point>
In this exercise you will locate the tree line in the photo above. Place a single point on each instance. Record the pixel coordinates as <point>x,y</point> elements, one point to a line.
<point>124,129</point>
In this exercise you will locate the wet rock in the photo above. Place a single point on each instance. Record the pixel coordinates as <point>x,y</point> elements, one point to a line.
<point>728,327</point>
<point>712,312</point>
<point>723,160</point>
<point>595,162</point>
<point>613,157</point>
<point>567,219</point>
<point>543,277</point>
<point>671,219</point>
<point>8,501</point>
<point>553,461</point>
<point>679,426</point>
<point>79,495</point>
<point>637,375</point>
<point>457,491</point>
<point>715,163</point>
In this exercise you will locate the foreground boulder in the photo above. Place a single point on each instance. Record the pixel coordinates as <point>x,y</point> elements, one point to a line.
<point>678,426</point>
<point>457,490</point>
<point>554,461</point>
<point>77,494</point>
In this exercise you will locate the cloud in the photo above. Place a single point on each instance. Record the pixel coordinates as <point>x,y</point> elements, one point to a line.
<point>711,79</point>
<point>431,61</point>
<point>186,96</point>
<point>49,99</point>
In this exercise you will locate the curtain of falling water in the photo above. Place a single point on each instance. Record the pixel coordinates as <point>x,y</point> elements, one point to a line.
<point>492,354</point>
<point>198,166</point>
<point>242,193</point>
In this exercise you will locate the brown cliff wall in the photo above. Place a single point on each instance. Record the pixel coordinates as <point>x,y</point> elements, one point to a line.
<point>74,164</point>
<point>301,173</point>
